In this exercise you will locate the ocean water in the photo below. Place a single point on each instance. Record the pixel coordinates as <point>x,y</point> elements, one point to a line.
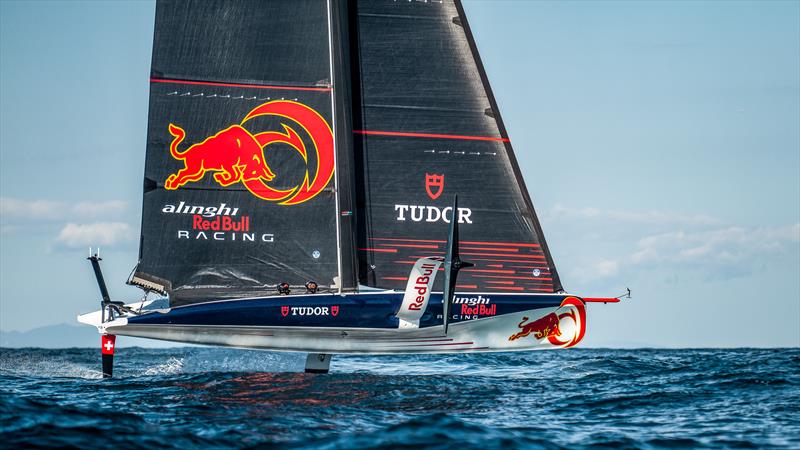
<point>196,397</point>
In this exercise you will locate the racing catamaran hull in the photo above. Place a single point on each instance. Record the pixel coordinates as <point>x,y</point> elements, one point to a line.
<point>314,323</point>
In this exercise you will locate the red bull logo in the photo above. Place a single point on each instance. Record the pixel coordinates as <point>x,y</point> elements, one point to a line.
<point>550,326</point>
<point>235,155</point>
<point>544,327</point>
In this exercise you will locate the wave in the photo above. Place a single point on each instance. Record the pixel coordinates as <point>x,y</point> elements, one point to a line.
<point>207,397</point>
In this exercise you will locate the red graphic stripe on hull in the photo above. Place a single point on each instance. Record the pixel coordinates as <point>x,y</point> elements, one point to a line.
<point>390,340</point>
<point>242,85</point>
<point>434,345</point>
<point>431,135</point>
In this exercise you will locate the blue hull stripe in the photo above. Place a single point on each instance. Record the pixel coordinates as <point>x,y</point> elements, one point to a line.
<point>342,311</point>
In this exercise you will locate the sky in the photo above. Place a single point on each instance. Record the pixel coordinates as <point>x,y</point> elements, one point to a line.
<point>660,142</point>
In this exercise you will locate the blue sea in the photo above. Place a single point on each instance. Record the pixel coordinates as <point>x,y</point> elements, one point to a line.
<point>195,397</point>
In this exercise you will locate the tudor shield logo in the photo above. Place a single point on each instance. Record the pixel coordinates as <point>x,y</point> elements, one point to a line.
<point>284,311</point>
<point>237,154</point>
<point>434,185</point>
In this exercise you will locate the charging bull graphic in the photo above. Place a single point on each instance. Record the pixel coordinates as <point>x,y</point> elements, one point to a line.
<point>544,327</point>
<point>236,155</point>
<point>550,326</point>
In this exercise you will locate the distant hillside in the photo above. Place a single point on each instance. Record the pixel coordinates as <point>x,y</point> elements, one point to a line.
<point>65,336</point>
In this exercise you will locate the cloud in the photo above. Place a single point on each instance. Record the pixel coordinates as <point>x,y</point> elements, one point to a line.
<point>636,217</point>
<point>13,209</point>
<point>100,209</point>
<point>720,253</point>
<point>731,245</point>
<point>74,235</point>
<point>605,268</point>
<point>668,242</point>
<point>67,224</point>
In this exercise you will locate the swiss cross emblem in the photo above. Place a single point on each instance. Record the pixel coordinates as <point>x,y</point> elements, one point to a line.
<point>434,185</point>
<point>107,344</point>
<point>335,310</point>
<point>284,311</point>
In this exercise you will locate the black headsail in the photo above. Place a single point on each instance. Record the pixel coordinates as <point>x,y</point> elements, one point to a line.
<point>239,188</point>
<point>427,127</point>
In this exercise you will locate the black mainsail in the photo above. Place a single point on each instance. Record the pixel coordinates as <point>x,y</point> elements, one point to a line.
<point>427,127</point>
<point>239,189</point>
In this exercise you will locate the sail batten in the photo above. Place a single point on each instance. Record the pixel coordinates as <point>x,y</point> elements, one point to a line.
<point>431,135</point>
<point>254,85</point>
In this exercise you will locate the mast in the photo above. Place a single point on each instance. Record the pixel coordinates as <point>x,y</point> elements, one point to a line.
<point>335,151</point>
<point>342,98</point>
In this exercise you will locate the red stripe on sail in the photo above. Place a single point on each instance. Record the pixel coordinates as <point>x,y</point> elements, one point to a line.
<point>543,266</point>
<point>491,249</point>
<point>431,135</point>
<point>507,244</point>
<point>490,270</point>
<point>383,250</point>
<point>242,85</point>
<point>439,241</point>
<point>411,245</point>
<point>472,259</point>
<point>407,240</point>
<point>514,278</point>
<point>505,254</point>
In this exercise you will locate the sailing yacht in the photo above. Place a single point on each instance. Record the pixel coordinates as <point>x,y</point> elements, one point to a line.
<point>332,176</point>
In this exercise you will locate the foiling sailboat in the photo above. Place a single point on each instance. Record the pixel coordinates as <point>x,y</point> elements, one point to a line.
<point>315,172</point>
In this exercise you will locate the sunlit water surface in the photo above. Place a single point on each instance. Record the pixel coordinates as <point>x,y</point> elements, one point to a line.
<point>219,398</point>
